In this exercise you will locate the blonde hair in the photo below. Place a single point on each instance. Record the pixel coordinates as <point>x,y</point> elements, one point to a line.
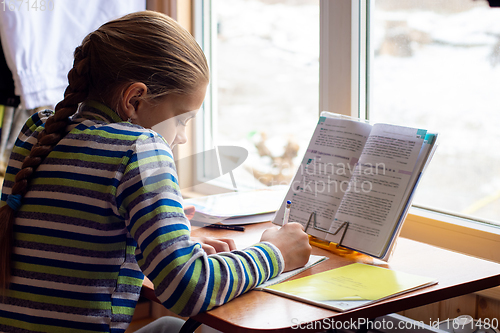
<point>147,47</point>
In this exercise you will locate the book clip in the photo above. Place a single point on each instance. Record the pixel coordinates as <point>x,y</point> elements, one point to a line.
<point>315,227</point>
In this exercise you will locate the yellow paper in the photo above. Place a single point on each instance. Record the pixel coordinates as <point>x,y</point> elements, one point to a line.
<point>350,286</point>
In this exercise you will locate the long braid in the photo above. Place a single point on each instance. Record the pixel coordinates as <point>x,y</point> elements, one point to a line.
<point>55,129</point>
<point>146,47</point>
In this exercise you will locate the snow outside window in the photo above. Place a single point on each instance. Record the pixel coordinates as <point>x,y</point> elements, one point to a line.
<point>265,77</point>
<point>436,65</point>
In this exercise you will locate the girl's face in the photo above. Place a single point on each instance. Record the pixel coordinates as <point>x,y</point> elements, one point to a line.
<point>170,115</point>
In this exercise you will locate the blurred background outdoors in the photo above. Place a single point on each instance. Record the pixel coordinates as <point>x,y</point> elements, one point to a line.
<point>436,65</point>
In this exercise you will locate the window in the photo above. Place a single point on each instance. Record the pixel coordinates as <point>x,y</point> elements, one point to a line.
<point>264,57</point>
<point>436,65</point>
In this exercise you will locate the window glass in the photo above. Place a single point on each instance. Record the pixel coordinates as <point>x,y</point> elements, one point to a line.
<point>267,81</point>
<point>436,65</point>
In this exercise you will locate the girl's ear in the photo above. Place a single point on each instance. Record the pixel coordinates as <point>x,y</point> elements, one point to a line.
<point>131,99</point>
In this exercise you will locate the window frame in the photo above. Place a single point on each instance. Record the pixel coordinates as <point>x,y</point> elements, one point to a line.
<point>200,130</point>
<point>345,88</point>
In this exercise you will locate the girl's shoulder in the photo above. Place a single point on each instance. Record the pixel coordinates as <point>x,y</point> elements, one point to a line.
<point>131,130</point>
<point>35,123</point>
<point>39,118</point>
<point>125,133</point>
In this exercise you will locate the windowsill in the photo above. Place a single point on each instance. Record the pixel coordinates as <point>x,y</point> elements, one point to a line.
<point>455,234</point>
<point>469,237</point>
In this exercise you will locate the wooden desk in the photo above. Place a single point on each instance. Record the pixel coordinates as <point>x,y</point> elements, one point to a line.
<point>258,311</point>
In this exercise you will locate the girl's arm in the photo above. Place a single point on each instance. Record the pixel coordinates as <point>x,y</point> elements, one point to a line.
<point>187,280</point>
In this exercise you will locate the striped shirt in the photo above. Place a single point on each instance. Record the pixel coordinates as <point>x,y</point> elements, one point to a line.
<point>103,209</point>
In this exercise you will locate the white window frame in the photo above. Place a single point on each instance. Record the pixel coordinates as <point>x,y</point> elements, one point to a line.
<point>343,51</point>
<point>205,27</point>
<point>344,88</point>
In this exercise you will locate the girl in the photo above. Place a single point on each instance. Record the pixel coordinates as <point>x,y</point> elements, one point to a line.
<point>90,200</point>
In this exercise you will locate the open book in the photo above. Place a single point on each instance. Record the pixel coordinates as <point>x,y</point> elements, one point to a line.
<point>362,174</point>
<point>350,286</point>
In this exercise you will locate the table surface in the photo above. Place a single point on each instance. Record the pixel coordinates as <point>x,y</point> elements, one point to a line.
<point>258,311</point>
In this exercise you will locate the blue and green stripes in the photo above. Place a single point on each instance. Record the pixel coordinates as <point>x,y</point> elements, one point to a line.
<point>103,209</point>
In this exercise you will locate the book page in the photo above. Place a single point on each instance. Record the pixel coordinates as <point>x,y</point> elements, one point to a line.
<point>378,186</point>
<point>325,172</point>
<point>424,157</point>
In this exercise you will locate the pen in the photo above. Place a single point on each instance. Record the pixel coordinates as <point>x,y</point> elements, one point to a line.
<point>224,226</point>
<point>287,212</point>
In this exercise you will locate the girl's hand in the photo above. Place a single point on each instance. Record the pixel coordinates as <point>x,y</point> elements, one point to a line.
<point>293,243</point>
<point>215,245</point>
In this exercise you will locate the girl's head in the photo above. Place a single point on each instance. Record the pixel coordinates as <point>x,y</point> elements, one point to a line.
<point>142,61</point>
<point>146,67</point>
